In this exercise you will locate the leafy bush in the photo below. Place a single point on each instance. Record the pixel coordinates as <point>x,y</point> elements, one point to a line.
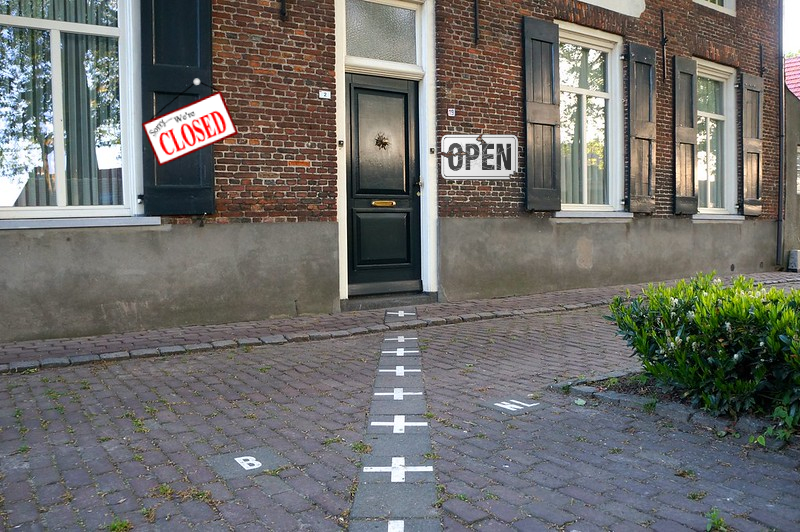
<point>729,349</point>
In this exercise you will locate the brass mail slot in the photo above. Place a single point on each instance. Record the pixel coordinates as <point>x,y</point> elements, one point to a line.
<point>384,203</point>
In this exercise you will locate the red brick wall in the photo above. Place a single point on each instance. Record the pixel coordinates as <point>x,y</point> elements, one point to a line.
<point>483,82</point>
<point>281,166</point>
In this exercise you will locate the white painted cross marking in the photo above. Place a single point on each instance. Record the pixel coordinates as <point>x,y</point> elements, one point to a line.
<point>518,406</point>
<point>399,424</point>
<point>248,462</point>
<point>401,313</point>
<point>401,339</point>
<point>396,526</point>
<point>398,394</point>
<point>400,351</point>
<point>398,469</point>
<point>400,371</point>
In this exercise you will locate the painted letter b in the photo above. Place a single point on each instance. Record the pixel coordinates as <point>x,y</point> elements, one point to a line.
<point>248,462</point>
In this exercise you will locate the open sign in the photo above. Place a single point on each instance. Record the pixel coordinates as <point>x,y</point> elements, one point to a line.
<point>479,156</point>
<point>190,128</point>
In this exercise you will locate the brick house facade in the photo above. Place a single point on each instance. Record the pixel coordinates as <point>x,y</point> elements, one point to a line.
<point>663,158</point>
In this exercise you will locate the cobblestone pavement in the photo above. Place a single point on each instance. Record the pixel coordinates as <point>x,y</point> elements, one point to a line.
<point>140,441</point>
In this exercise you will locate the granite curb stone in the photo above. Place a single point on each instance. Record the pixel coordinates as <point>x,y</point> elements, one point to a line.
<point>117,355</point>
<point>747,424</point>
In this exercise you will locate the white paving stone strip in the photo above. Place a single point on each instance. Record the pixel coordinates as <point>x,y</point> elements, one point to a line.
<point>402,339</point>
<point>400,351</point>
<point>409,495</point>
<point>399,371</point>
<point>397,394</point>
<point>399,424</point>
<point>398,469</point>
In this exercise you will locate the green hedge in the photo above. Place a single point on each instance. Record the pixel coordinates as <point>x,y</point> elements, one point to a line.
<point>730,349</point>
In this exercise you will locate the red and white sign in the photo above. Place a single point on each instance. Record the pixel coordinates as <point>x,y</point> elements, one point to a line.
<point>190,128</point>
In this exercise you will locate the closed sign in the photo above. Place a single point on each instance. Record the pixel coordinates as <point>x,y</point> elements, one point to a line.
<point>190,128</point>
<point>479,156</point>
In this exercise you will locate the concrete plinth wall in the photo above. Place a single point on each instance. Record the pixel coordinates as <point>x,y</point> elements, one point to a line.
<point>76,282</point>
<point>494,257</point>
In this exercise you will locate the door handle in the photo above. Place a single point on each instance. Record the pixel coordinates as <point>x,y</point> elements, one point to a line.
<point>384,203</point>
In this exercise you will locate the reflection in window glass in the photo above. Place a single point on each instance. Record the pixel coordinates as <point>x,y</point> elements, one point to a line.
<point>584,125</point>
<point>95,12</point>
<point>595,150</point>
<point>797,158</point>
<point>379,31</point>
<point>582,68</point>
<point>27,164</point>
<point>82,166</point>
<point>571,149</point>
<point>710,131</point>
<point>92,120</point>
<point>709,96</point>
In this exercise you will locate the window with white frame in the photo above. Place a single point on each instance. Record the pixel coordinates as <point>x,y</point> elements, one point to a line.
<point>726,6</point>
<point>797,163</point>
<point>63,121</point>
<point>591,117</point>
<point>716,139</point>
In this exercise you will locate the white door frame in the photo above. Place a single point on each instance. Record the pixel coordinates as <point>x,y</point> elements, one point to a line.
<point>425,73</point>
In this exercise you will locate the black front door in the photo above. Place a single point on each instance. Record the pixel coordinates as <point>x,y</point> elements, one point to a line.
<point>383,186</point>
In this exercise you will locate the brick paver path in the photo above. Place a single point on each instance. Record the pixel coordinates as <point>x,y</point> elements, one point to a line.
<point>592,467</point>
<point>133,440</point>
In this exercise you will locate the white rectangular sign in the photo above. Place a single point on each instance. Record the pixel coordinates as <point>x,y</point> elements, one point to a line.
<point>479,156</point>
<point>190,128</point>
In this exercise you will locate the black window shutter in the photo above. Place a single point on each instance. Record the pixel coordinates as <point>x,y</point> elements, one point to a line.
<point>176,48</point>
<point>543,118</point>
<point>752,110</point>
<point>685,115</point>
<point>642,127</point>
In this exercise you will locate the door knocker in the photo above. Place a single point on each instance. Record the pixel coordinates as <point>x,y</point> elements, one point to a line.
<point>381,141</point>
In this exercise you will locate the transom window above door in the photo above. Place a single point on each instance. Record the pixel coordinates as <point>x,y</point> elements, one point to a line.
<point>383,36</point>
<point>381,31</point>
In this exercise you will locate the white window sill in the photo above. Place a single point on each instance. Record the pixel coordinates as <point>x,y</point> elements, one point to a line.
<point>591,216</point>
<point>717,218</point>
<point>68,223</point>
<point>729,9</point>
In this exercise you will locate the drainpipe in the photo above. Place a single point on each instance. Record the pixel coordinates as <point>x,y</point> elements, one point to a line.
<point>782,145</point>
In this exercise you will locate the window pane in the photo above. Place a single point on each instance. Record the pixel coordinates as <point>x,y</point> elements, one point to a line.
<point>584,171</point>
<point>709,96</point>
<point>571,149</point>
<point>596,168</point>
<point>27,165</point>
<point>797,156</point>
<point>92,120</point>
<point>97,12</point>
<point>379,31</point>
<point>710,174</point>
<point>582,67</point>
